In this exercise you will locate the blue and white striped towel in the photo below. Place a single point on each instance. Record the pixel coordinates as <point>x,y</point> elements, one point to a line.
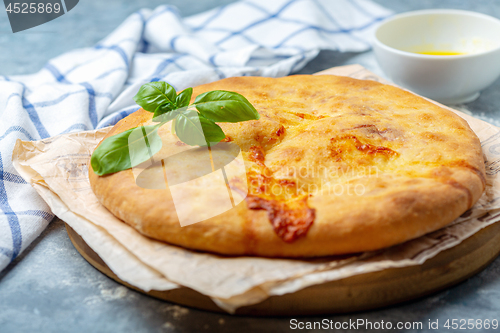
<point>93,88</point>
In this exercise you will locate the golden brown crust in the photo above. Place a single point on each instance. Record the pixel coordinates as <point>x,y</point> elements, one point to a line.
<point>419,167</point>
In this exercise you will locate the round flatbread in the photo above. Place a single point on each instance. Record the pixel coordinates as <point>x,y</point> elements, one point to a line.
<point>334,165</point>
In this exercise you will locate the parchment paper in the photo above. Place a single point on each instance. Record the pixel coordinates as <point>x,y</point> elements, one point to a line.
<point>57,169</point>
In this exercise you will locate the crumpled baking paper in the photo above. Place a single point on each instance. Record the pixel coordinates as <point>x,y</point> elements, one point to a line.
<point>57,169</point>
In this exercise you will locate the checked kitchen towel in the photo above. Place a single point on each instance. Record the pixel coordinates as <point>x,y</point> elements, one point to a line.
<point>93,88</point>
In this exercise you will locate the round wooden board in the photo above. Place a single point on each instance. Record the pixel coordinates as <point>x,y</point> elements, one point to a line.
<point>357,293</point>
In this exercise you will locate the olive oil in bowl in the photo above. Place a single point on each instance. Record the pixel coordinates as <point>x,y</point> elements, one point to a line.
<point>441,53</point>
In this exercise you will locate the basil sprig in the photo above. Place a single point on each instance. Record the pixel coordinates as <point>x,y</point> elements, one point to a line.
<point>194,124</point>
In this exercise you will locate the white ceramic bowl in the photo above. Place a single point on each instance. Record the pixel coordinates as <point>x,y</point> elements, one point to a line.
<point>450,79</point>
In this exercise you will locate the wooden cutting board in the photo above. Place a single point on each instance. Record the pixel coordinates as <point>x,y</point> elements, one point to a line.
<point>356,293</point>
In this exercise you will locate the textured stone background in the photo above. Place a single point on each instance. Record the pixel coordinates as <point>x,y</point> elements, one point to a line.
<point>51,288</point>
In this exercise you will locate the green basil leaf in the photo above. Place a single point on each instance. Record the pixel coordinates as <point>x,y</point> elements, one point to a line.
<point>195,130</point>
<point>162,109</point>
<point>213,132</point>
<point>225,106</point>
<point>125,150</point>
<point>184,98</point>
<point>153,94</point>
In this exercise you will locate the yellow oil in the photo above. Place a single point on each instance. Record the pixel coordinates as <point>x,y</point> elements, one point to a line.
<point>441,53</point>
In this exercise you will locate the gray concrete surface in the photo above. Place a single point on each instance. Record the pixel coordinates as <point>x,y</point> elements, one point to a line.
<point>51,288</point>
